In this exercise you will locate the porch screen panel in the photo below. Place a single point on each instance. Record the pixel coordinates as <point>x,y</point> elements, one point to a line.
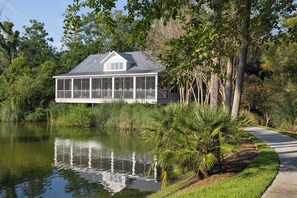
<point>60,88</point>
<point>150,87</point>
<point>64,88</point>
<point>118,87</point>
<point>128,87</point>
<point>97,88</point>
<point>140,87</point>
<point>106,88</point>
<point>77,88</point>
<point>86,88</point>
<point>67,88</point>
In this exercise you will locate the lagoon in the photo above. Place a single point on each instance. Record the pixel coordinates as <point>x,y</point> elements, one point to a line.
<point>37,160</point>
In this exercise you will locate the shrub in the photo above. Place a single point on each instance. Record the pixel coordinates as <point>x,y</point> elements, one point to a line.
<point>107,114</point>
<point>122,115</point>
<point>39,115</point>
<point>191,138</point>
<point>285,111</point>
<point>10,112</point>
<point>57,110</point>
<point>78,116</point>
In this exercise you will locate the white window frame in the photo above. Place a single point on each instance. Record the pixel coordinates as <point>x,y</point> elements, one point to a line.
<point>115,66</point>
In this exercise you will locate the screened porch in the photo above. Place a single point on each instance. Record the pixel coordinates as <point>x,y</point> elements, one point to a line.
<point>100,89</point>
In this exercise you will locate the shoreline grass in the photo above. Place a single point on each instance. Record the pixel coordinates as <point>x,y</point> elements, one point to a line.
<point>118,115</point>
<point>251,182</point>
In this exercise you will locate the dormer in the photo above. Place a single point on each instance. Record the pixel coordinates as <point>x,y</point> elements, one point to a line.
<point>117,62</point>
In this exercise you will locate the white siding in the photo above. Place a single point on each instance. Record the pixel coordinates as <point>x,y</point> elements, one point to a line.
<point>115,59</point>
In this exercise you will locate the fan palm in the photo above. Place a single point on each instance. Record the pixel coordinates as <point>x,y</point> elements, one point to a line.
<point>191,138</point>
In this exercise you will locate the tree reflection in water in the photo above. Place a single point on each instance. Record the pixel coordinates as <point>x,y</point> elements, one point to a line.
<point>37,161</point>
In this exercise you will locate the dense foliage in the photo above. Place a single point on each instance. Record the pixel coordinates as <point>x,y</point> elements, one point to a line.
<point>251,182</point>
<point>272,92</point>
<point>214,41</point>
<point>29,61</point>
<point>126,117</point>
<point>192,138</point>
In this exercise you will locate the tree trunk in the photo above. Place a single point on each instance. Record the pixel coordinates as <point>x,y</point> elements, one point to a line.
<point>214,82</point>
<point>214,91</point>
<point>242,57</point>
<point>229,88</point>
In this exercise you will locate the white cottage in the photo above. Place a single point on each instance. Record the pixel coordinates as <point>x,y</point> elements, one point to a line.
<point>130,76</point>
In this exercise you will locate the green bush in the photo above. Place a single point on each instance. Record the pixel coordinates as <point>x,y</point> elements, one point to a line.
<point>10,112</point>
<point>123,116</point>
<point>106,115</point>
<point>39,115</point>
<point>285,112</point>
<point>78,116</point>
<point>191,138</point>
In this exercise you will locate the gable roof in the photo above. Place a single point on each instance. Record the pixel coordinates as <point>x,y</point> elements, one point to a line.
<point>125,56</point>
<point>93,64</point>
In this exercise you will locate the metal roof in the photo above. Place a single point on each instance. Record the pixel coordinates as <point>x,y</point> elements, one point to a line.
<point>141,63</point>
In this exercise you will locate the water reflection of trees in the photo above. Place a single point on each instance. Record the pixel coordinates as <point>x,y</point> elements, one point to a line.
<point>29,183</point>
<point>109,138</point>
<point>20,132</point>
<point>25,160</point>
<point>27,156</point>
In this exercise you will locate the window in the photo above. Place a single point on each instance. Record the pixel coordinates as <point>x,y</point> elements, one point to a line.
<point>81,88</point>
<point>114,66</point>
<point>101,87</point>
<point>145,87</point>
<point>64,88</point>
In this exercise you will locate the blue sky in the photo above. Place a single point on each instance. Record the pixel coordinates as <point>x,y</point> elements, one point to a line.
<point>48,12</point>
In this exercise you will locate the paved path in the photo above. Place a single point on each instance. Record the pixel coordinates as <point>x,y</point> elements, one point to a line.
<point>285,183</point>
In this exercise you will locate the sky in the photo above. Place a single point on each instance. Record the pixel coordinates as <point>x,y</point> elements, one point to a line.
<point>49,12</point>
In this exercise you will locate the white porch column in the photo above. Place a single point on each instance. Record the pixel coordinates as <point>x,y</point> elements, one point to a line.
<point>156,87</point>
<point>90,87</point>
<point>56,88</point>
<point>72,87</point>
<point>112,88</point>
<point>134,87</point>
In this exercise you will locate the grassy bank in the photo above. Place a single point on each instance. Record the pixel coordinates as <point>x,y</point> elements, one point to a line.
<point>109,115</point>
<point>251,182</point>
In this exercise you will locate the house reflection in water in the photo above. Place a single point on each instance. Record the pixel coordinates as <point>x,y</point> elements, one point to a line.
<point>91,161</point>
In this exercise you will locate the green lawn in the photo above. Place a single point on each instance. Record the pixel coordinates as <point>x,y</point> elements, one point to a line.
<point>172,188</point>
<point>251,182</point>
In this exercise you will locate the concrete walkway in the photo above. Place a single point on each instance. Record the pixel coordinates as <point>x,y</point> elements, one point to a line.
<point>285,183</point>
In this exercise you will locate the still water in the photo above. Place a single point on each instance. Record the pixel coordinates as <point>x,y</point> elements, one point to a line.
<point>40,161</point>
